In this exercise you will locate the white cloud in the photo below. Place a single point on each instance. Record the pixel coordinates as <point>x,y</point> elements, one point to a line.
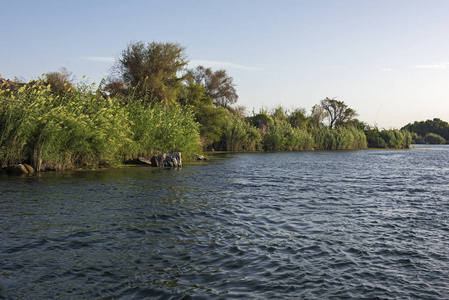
<point>105,59</point>
<point>387,70</point>
<point>219,65</point>
<point>436,66</point>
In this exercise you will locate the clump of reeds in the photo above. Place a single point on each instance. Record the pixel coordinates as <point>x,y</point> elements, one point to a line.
<point>340,138</point>
<point>239,135</point>
<point>161,128</point>
<point>82,128</point>
<point>282,136</point>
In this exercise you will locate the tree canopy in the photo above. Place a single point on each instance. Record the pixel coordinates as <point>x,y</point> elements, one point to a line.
<point>153,70</point>
<point>218,85</point>
<point>436,126</point>
<point>337,112</point>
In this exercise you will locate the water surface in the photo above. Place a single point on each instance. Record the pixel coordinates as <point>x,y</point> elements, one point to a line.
<point>303,225</point>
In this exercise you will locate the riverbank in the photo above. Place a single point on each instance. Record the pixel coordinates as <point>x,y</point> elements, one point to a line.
<point>85,128</point>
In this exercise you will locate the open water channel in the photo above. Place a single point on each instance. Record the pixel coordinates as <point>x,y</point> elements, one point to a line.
<point>368,224</point>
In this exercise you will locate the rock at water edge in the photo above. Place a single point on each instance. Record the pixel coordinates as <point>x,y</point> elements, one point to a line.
<point>17,169</point>
<point>172,160</point>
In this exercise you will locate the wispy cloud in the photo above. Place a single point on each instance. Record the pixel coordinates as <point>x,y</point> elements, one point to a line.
<point>387,70</point>
<point>105,59</point>
<point>219,65</point>
<point>435,66</point>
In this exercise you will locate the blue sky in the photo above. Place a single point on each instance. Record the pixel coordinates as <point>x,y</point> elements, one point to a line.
<point>388,60</point>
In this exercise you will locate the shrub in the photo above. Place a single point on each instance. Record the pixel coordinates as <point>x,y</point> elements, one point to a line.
<point>388,138</point>
<point>262,121</point>
<point>433,138</point>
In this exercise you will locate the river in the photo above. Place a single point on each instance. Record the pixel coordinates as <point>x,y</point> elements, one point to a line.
<point>368,224</point>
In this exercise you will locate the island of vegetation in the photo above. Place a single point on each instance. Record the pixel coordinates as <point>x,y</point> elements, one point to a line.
<point>152,103</point>
<point>434,131</point>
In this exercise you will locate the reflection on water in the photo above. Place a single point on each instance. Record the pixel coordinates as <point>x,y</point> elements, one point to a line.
<point>359,224</point>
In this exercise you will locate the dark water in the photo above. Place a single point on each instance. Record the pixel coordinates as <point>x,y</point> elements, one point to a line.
<point>307,225</point>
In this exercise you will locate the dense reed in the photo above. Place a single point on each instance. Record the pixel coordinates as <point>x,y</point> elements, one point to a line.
<point>82,128</point>
<point>282,136</point>
<point>160,128</point>
<point>239,135</point>
<point>340,138</point>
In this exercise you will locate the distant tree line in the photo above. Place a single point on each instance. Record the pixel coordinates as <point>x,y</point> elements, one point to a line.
<point>434,131</point>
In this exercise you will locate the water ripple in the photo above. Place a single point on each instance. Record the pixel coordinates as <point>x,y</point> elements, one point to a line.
<point>309,225</point>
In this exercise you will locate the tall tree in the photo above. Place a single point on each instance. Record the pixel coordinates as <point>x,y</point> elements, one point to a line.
<point>153,70</point>
<point>194,94</point>
<point>317,115</point>
<point>337,112</point>
<point>217,84</point>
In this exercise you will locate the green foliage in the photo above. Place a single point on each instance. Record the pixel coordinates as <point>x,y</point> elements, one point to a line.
<point>217,85</point>
<point>393,138</point>
<point>238,135</point>
<point>294,131</point>
<point>422,128</point>
<point>317,116</point>
<point>152,70</point>
<point>160,128</point>
<point>416,139</point>
<point>52,124</point>
<point>82,128</point>
<point>433,138</point>
<point>341,138</point>
<point>262,121</point>
<point>193,94</point>
<point>224,131</point>
<point>283,137</point>
<point>212,124</point>
<point>298,118</point>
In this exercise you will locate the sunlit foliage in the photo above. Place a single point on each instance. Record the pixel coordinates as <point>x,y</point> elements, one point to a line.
<point>83,129</point>
<point>152,70</point>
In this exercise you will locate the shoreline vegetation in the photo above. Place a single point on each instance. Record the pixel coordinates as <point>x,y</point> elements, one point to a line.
<point>156,105</point>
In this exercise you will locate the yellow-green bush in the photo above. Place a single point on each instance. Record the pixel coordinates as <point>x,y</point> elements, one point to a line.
<point>82,128</point>
<point>160,128</point>
<point>62,132</point>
